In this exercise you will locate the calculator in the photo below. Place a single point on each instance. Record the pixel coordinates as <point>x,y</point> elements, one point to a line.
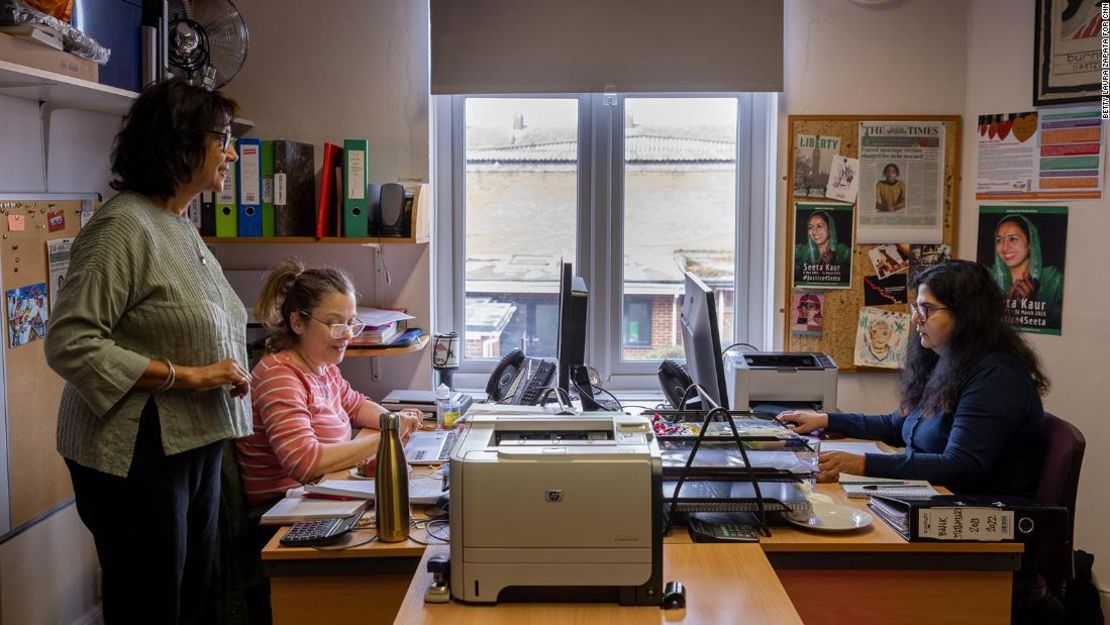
<point>722,527</point>
<point>320,532</point>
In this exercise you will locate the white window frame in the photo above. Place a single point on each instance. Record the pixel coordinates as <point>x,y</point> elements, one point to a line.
<point>600,211</point>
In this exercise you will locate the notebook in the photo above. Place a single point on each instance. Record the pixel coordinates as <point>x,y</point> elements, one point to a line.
<point>857,487</point>
<point>293,509</point>
<point>431,447</point>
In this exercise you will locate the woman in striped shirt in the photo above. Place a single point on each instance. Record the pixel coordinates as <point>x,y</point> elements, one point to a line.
<point>303,408</point>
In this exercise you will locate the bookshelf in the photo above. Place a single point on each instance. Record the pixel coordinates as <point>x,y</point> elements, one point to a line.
<point>421,211</point>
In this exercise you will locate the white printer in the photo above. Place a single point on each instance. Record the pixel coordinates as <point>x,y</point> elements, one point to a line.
<point>781,379</point>
<point>551,507</point>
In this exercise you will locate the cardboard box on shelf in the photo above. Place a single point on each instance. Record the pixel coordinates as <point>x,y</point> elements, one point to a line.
<point>31,54</point>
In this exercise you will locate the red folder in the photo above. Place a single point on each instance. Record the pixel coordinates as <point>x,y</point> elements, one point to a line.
<point>325,208</point>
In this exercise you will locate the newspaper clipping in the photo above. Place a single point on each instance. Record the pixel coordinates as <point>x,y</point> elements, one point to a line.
<point>901,188</point>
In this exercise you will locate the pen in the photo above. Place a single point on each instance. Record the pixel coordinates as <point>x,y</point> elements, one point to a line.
<point>878,486</point>
<point>898,483</point>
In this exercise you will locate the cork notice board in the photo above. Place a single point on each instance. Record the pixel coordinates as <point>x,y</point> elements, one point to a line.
<point>841,306</point>
<point>37,476</point>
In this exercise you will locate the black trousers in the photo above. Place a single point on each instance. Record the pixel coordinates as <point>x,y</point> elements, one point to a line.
<point>155,530</point>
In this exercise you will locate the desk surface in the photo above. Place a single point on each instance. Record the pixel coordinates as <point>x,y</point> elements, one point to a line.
<point>878,538</point>
<point>711,597</point>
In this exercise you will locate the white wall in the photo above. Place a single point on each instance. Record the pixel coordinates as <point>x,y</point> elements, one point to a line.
<point>48,572</point>
<point>842,58</point>
<point>1000,80</point>
<point>319,75</point>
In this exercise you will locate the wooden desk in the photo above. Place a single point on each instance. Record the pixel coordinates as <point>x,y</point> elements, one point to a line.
<point>731,583</point>
<point>874,576</point>
<point>869,576</point>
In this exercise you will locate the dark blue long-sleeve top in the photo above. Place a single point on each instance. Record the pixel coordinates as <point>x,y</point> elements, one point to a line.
<point>990,444</point>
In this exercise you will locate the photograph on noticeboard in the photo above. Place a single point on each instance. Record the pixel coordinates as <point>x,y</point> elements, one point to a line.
<point>27,314</point>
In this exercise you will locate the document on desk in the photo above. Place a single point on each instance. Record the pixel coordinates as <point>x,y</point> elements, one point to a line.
<point>853,447</point>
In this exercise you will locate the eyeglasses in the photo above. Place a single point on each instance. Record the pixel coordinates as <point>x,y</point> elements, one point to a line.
<point>339,330</point>
<point>923,310</point>
<point>225,137</point>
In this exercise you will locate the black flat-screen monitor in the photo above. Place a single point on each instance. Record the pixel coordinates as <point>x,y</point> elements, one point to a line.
<point>702,340</point>
<point>571,343</point>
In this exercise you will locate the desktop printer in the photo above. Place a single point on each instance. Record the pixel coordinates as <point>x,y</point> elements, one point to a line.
<point>781,379</point>
<point>545,508</point>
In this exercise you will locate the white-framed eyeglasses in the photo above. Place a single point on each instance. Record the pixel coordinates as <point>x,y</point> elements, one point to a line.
<point>339,330</point>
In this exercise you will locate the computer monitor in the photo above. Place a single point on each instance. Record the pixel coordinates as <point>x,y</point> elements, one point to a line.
<point>702,340</point>
<point>571,343</point>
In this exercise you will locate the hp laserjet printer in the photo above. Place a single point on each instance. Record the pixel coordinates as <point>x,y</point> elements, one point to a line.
<point>551,507</point>
<point>781,379</point>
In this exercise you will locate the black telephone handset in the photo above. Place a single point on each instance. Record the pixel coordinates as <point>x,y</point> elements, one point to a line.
<point>675,380</point>
<point>504,374</point>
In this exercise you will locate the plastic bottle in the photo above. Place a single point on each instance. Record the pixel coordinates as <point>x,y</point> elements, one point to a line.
<point>391,481</point>
<point>447,410</point>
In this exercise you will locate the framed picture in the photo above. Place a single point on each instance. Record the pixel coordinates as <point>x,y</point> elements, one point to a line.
<point>1067,53</point>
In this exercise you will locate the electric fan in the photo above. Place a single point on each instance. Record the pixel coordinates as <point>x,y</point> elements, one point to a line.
<point>206,41</point>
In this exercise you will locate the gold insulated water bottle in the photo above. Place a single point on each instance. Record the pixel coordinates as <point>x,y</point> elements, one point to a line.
<point>391,483</point>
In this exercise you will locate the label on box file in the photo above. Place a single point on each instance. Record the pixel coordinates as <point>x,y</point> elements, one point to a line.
<point>279,189</point>
<point>983,524</point>
<point>356,175</point>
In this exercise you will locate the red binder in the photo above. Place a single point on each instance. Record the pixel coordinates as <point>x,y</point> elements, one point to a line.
<point>326,207</point>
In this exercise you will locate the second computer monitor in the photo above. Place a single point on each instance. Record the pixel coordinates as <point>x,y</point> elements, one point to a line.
<point>702,340</point>
<point>572,324</point>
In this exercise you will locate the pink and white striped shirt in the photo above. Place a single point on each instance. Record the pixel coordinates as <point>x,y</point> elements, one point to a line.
<point>295,414</point>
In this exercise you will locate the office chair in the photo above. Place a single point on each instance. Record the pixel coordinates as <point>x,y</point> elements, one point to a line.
<point>1057,486</point>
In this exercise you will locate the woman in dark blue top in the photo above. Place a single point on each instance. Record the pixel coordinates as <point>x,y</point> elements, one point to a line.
<point>970,413</point>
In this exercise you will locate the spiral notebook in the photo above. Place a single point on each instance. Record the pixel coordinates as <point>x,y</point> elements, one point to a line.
<point>856,487</point>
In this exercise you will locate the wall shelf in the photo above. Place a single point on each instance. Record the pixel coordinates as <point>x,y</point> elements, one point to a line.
<point>65,92</point>
<point>314,240</point>
<point>356,352</point>
<point>62,92</point>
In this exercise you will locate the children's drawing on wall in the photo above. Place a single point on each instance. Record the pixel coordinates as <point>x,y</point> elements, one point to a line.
<point>27,314</point>
<point>881,338</point>
<point>823,245</point>
<point>1024,247</point>
<point>924,256</point>
<point>843,179</point>
<point>889,259</point>
<point>813,157</point>
<point>808,313</point>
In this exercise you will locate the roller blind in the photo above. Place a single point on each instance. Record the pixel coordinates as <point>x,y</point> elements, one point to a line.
<point>585,46</point>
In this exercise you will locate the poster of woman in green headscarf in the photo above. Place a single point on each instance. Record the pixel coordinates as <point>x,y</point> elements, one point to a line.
<point>823,245</point>
<point>1024,248</point>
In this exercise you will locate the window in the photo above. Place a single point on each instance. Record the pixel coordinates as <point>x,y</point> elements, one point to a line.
<point>634,190</point>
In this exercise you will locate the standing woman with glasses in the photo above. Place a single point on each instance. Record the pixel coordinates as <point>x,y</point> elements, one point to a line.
<point>303,408</point>
<point>151,341</point>
<point>970,415</point>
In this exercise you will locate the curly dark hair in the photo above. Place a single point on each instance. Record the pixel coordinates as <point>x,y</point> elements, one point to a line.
<point>165,136</point>
<point>933,382</point>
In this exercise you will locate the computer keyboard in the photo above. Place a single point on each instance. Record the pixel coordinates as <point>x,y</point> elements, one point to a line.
<point>536,384</point>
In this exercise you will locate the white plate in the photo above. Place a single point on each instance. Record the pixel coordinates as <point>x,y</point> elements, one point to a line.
<point>831,517</point>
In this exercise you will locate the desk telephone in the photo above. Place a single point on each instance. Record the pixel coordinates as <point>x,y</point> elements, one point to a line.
<point>509,379</point>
